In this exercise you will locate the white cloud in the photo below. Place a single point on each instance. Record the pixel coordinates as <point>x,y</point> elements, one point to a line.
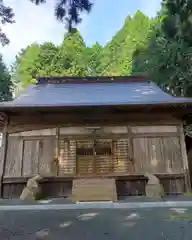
<point>33,24</point>
<point>38,24</point>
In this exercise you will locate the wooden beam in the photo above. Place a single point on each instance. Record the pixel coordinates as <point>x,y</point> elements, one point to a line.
<point>185,159</point>
<point>136,176</point>
<point>35,122</point>
<point>3,154</point>
<point>76,118</point>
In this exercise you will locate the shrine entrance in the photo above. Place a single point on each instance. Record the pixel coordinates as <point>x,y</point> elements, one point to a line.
<point>94,156</point>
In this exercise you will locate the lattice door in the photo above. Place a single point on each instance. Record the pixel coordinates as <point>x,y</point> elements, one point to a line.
<point>122,156</point>
<point>67,157</point>
<point>85,156</point>
<point>90,157</point>
<point>103,156</point>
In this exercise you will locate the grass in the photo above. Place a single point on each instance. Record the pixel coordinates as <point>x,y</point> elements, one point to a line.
<point>180,216</point>
<point>188,194</point>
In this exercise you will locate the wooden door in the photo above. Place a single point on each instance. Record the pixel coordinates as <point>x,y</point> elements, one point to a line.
<point>85,157</point>
<point>103,156</point>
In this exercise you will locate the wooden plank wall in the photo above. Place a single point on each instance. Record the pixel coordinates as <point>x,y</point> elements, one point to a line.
<point>13,166</point>
<point>136,149</point>
<point>26,158</point>
<point>157,155</point>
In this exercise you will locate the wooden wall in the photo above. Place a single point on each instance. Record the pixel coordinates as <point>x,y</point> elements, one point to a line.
<point>27,157</point>
<point>49,145</point>
<point>137,149</point>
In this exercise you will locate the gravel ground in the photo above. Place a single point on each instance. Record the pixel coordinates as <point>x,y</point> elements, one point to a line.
<point>149,224</point>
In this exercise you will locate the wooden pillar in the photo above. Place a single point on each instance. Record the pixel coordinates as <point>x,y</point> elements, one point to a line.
<point>131,149</point>
<point>3,154</point>
<point>185,159</point>
<point>55,162</point>
<point>94,134</point>
<point>57,149</point>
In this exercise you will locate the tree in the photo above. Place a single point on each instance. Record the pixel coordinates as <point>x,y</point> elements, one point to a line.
<point>117,55</point>
<point>167,57</point>
<point>74,58</point>
<point>5,82</point>
<point>158,47</point>
<point>92,59</point>
<point>6,16</point>
<point>45,64</point>
<point>67,11</point>
<point>177,19</point>
<point>71,55</point>
<point>36,60</point>
<point>25,67</point>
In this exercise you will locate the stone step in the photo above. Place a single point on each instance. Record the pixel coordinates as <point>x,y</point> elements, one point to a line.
<point>95,189</point>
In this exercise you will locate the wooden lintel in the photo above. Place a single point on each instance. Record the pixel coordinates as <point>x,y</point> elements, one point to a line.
<point>30,138</point>
<point>35,122</point>
<point>79,117</point>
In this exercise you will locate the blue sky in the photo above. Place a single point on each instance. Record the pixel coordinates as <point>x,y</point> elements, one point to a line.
<point>37,24</point>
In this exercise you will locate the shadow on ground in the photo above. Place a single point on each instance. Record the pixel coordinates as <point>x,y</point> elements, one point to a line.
<point>113,224</point>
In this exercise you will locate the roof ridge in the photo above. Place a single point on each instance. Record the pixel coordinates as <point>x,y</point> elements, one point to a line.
<point>96,79</point>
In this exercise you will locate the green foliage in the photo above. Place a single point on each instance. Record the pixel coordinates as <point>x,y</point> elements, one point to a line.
<point>69,61</point>
<point>6,16</point>
<point>50,60</point>
<point>91,59</point>
<point>74,58</point>
<point>177,22</point>
<point>167,57</point>
<point>5,82</point>
<point>26,65</point>
<point>158,47</point>
<point>117,55</point>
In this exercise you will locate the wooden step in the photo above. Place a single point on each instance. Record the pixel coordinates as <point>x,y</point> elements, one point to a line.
<point>94,189</point>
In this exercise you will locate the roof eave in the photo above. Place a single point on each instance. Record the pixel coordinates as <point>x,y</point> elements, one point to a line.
<point>15,108</point>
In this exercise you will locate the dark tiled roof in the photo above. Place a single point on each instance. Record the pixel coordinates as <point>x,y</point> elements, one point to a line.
<point>95,93</point>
